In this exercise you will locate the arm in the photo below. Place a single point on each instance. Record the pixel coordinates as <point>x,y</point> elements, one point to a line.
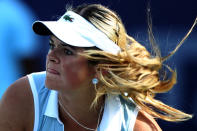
<point>17,107</point>
<point>145,122</point>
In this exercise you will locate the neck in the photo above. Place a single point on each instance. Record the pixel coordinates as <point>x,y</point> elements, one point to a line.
<point>72,98</point>
<point>78,103</point>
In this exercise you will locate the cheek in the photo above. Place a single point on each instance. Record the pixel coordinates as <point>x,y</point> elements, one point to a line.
<point>47,59</point>
<point>76,72</point>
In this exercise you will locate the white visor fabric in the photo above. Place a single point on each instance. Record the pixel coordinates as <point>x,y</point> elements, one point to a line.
<point>74,30</point>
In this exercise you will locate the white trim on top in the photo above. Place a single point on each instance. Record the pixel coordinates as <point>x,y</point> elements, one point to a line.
<point>36,102</point>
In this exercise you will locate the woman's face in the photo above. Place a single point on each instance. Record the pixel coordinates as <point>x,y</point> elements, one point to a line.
<point>65,69</point>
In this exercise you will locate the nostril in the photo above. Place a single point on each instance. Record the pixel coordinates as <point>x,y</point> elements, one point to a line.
<point>53,59</point>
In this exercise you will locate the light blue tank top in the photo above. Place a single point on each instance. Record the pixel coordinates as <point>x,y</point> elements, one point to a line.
<point>119,114</point>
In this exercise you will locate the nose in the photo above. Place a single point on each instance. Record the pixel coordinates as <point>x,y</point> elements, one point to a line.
<point>53,56</point>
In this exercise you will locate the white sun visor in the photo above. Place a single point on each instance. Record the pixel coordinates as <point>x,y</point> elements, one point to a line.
<point>74,30</point>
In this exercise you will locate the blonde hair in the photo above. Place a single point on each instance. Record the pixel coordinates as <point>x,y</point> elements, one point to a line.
<point>134,72</point>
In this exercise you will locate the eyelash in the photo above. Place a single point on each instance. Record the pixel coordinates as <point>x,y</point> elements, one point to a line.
<point>66,51</point>
<point>51,46</point>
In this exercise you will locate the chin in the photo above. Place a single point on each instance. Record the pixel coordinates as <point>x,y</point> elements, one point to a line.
<point>50,84</point>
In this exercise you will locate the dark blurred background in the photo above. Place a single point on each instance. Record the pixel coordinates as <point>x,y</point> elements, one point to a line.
<point>23,52</point>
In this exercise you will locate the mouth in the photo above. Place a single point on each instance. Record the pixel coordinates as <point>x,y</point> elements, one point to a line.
<point>52,71</point>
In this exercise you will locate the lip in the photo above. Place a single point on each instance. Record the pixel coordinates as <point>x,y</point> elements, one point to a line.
<point>52,71</point>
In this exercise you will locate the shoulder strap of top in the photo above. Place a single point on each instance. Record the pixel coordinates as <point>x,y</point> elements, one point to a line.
<point>119,114</point>
<point>130,112</point>
<point>32,83</point>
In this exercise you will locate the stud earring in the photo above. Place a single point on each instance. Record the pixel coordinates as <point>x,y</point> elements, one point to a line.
<point>94,81</point>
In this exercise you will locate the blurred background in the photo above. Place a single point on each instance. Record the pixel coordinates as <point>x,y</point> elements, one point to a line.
<point>23,52</point>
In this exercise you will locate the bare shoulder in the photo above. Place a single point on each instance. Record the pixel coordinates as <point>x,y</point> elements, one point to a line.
<point>16,107</point>
<point>146,122</point>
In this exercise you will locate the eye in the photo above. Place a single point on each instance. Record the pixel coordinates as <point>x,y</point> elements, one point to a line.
<point>68,52</point>
<point>51,46</point>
